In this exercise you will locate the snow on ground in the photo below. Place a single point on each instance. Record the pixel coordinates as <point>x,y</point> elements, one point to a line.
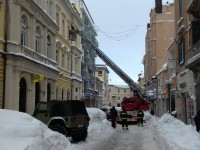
<point>20,131</point>
<point>171,133</point>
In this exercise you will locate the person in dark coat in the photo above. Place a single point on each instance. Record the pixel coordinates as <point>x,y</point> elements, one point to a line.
<point>152,112</point>
<point>140,116</point>
<point>197,121</point>
<point>113,113</point>
<point>124,117</point>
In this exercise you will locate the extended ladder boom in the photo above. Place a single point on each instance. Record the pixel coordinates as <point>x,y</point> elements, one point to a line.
<point>111,64</point>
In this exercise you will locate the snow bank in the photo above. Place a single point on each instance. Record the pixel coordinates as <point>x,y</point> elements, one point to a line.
<point>170,133</point>
<point>21,131</point>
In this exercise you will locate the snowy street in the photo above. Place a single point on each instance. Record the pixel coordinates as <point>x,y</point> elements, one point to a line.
<point>136,138</point>
<point>20,131</point>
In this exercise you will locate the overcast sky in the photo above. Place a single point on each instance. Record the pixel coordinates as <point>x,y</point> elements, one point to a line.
<point>122,27</point>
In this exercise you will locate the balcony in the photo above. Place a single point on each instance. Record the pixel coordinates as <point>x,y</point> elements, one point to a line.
<point>194,56</point>
<point>37,56</point>
<point>194,8</point>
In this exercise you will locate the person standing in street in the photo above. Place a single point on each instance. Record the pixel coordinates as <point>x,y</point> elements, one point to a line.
<point>140,116</point>
<point>197,121</point>
<point>124,117</point>
<point>113,113</point>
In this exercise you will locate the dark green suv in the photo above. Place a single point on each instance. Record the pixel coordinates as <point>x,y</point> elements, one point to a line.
<point>69,117</point>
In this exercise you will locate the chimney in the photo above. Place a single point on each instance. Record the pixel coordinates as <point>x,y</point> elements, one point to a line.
<point>158,7</point>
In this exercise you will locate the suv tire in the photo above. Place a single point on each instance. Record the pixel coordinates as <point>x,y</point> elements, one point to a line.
<point>59,128</point>
<point>81,136</point>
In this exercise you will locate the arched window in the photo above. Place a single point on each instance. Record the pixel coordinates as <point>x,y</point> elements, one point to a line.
<point>68,63</point>
<point>37,39</point>
<point>63,60</point>
<point>58,49</point>
<point>49,46</point>
<point>24,30</point>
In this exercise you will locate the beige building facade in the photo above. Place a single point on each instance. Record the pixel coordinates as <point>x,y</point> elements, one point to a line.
<point>159,36</point>
<point>117,93</point>
<point>103,73</point>
<point>182,65</point>
<point>31,68</point>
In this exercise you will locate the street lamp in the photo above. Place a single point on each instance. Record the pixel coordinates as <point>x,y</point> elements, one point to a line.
<point>168,85</point>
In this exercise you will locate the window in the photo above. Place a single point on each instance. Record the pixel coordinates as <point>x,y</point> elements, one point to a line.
<point>118,91</point>
<point>57,18</point>
<point>180,8</point>
<point>63,60</point>
<point>181,50</point>
<point>49,7</point>
<point>63,27</point>
<point>124,90</point>
<point>68,63</point>
<point>99,73</point>
<point>37,39</point>
<point>24,25</point>
<point>48,46</point>
<point>57,55</point>
<point>195,31</point>
<point>58,48</point>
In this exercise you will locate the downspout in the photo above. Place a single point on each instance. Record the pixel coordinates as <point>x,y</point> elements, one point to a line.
<point>5,48</point>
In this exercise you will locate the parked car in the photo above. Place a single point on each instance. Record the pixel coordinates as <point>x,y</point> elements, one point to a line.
<point>69,117</point>
<point>107,111</point>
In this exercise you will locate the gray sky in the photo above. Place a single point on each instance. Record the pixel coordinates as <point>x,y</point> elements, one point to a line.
<point>122,27</point>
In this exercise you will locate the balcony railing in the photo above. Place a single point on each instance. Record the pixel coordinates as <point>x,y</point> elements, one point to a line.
<point>37,56</point>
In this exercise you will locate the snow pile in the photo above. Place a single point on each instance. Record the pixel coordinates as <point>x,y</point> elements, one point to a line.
<point>173,134</point>
<point>96,114</point>
<point>20,131</point>
<point>98,121</point>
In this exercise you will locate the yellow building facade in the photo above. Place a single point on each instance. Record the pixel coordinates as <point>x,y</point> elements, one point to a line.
<point>68,53</point>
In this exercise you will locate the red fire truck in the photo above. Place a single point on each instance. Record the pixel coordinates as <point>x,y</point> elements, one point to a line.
<point>132,105</point>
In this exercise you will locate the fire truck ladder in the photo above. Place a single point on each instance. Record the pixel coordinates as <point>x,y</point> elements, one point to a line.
<point>110,63</point>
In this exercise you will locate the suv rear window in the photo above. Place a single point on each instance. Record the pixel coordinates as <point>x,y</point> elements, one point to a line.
<point>72,107</point>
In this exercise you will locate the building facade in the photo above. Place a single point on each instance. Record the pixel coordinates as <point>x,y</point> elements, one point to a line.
<point>90,94</point>
<point>193,63</point>
<point>159,36</point>
<point>68,53</point>
<point>2,50</point>
<point>103,73</point>
<point>117,93</point>
<point>31,67</point>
